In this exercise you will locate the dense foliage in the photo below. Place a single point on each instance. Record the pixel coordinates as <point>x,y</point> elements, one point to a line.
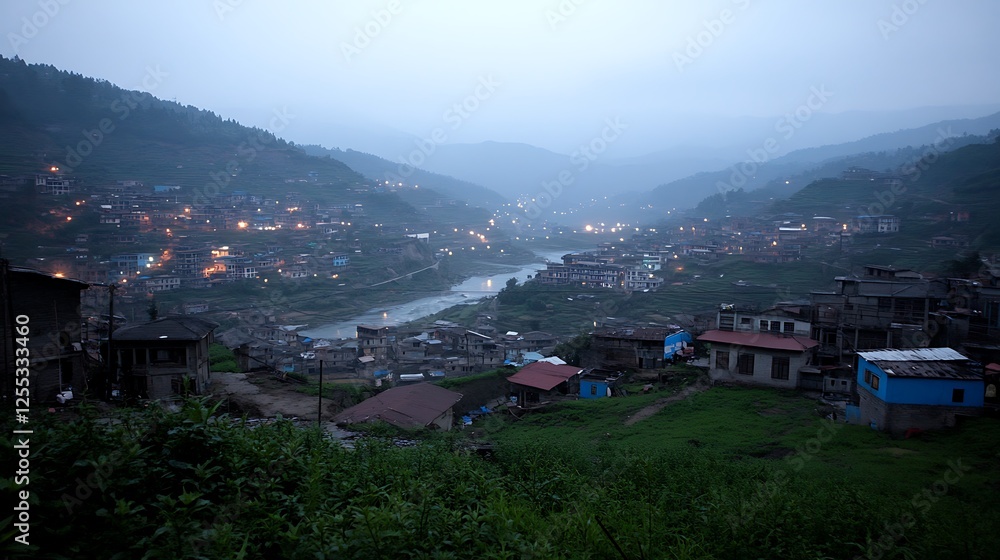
<point>222,359</point>
<point>192,485</point>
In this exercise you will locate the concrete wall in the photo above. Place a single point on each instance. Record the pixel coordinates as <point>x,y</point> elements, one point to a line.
<point>762,366</point>
<point>898,418</point>
<point>920,391</point>
<point>600,389</point>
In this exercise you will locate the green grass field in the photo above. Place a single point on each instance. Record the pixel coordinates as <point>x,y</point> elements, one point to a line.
<point>948,481</point>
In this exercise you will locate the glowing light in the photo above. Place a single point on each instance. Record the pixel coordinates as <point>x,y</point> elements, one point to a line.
<point>69,218</point>
<point>588,228</point>
<point>241,224</point>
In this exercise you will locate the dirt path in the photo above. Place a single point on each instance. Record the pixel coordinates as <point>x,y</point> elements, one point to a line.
<point>643,413</point>
<point>261,395</point>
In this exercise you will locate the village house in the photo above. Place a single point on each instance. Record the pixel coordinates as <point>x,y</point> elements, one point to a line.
<point>596,384</point>
<point>159,283</point>
<point>417,405</point>
<point>375,341</point>
<point>770,348</point>
<point>164,358</point>
<point>920,388</point>
<point>637,347</point>
<point>876,224</point>
<point>885,307</point>
<point>42,315</point>
<point>516,345</point>
<point>540,382</point>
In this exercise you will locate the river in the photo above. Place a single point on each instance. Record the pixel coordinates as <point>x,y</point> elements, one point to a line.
<point>465,293</point>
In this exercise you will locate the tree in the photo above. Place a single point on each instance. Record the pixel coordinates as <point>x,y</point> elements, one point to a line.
<point>965,267</point>
<point>153,310</point>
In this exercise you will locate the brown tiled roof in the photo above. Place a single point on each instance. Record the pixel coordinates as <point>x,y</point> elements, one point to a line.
<point>543,375</point>
<point>406,406</point>
<point>170,328</point>
<point>760,340</point>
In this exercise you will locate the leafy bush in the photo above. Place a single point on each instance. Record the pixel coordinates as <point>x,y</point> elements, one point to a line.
<point>222,359</point>
<point>194,484</point>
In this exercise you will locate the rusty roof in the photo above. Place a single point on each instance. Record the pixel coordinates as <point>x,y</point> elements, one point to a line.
<point>543,375</point>
<point>935,363</point>
<point>760,340</point>
<point>406,406</point>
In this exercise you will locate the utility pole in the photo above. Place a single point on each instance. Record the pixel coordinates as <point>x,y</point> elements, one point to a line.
<point>319,415</point>
<point>111,376</point>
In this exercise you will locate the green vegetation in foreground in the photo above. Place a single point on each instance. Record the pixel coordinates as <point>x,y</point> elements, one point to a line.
<point>222,359</point>
<point>728,473</point>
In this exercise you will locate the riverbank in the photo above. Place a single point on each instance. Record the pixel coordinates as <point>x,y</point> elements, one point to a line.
<point>469,291</point>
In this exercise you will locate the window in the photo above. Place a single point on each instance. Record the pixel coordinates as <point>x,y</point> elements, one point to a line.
<point>775,326</point>
<point>746,321</point>
<point>172,355</point>
<point>593,389</point>
<point>722,359</point>
<point>789,326</point>
<point>744,365</point>
<point>763,324</point>
<point>957,395</point>
<point>779,367</point>
<point>874,382</point>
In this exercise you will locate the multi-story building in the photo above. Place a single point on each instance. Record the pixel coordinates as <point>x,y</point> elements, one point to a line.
<point>42,316</point>
<point>886,307</point>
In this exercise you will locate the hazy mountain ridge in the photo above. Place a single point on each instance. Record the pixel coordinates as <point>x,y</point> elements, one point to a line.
<point>99,132</point>
<point>381,170</point>
<point>813,163</point>
<point>678,177</point>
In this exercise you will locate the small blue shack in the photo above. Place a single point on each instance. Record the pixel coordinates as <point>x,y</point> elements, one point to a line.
<point>596,384</point>
<point>919,388</point>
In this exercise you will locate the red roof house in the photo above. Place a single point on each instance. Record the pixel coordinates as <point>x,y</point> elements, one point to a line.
<point>543,380</point>
<point>407,406</point>
<point>757,357</point>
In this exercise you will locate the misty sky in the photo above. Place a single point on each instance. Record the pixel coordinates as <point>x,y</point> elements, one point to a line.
<point>545,72</point>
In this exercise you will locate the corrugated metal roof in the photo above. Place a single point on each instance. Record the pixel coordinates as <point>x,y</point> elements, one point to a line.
<point>933,363</point>
<point>912,355</point>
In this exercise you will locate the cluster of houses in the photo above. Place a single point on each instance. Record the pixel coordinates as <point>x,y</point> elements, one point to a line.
<point>904,352</point>
<point>129,212</point>
<point>884,341</point>
<point>378,351</point>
